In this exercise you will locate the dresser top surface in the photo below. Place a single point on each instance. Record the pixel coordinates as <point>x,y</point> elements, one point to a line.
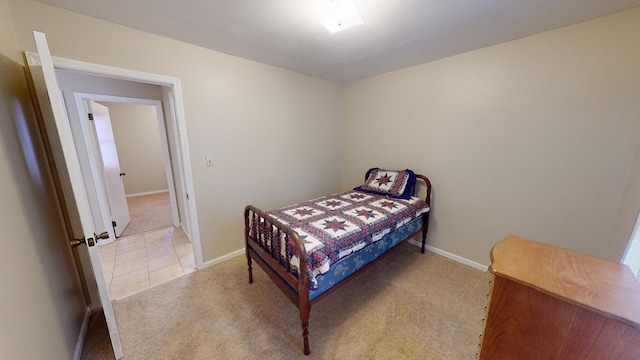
<point>601,285</point>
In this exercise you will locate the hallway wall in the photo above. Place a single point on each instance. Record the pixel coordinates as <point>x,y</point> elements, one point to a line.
<point>137,135</point>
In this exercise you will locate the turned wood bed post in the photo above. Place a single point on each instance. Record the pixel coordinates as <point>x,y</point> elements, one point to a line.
<point>425,217</point>
<point>246,243</point>
<point>425,229</point>
<point>304,304</point>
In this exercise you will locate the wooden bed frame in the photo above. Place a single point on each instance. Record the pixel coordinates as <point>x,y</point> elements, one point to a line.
<point>267,254</point>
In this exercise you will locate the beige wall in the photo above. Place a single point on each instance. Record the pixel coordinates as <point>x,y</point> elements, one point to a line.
<point>42,302</point>
<point>535,137</point>
<point>135,128</point>
<point>274,135</point>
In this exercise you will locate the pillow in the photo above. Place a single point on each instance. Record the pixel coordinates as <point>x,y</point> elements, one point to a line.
<point>392,183</point>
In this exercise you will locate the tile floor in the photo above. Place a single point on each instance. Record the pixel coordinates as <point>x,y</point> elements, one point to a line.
<point>138,262</point>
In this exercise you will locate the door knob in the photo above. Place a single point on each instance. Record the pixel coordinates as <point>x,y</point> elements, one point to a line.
<point>77,242</point>
<point>104,235</point>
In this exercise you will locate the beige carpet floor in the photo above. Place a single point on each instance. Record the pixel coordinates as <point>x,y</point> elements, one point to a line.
<point>408,306</point>
<point>148,212</point>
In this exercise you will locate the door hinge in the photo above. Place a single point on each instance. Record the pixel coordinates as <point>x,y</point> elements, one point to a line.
<point>114,224</point>
<point>90,116</point>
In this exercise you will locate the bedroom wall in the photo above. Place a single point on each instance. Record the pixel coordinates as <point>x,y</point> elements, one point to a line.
<point>135,128</point>
<point>42,302</point>
<point>275,135</point>
<point>535,137</point>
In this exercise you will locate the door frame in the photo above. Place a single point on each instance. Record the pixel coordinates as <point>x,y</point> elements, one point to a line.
<point>92,149</point>
<point>177,118</point>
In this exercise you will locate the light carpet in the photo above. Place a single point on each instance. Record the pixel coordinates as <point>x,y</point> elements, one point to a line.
<point>148,212</point>
<point>408,306</point>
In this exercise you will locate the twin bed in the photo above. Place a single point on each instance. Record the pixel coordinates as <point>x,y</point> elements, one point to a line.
<point>312,248</point>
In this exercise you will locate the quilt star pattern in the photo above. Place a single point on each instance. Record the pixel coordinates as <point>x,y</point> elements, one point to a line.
<point>335,226</point>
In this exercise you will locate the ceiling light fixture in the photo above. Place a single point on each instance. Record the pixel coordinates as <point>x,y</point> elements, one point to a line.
<point>338,15</point>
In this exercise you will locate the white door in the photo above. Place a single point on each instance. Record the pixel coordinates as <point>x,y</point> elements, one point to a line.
<point>114,185</point>
<point>73,167</point>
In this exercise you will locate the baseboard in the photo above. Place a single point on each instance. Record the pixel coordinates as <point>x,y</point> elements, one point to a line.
<point>430,248</point>
<point>223,258</point>
<point>83,334</point>
<point>451,256</point>
<point>147,193</point>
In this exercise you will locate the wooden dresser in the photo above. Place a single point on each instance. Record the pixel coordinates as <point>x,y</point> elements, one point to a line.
<point>551,303</point>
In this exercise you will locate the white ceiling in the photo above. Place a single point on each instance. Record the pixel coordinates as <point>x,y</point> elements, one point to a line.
<point>396,33</point>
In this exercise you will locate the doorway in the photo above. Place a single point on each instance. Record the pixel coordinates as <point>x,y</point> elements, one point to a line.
<point>152,248</point>
<point>130,134</point>
<point>79,80</point>
<point>76,78</point>
<point>144,171</point>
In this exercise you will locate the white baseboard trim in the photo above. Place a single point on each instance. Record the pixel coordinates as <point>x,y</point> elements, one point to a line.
<point>430,248</point>
<point>451,256</point>
<point>147,193</point>
<point>223,258</point>
<point>83,334</point>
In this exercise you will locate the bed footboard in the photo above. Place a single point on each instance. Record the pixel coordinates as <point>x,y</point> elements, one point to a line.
<point>269,243</point>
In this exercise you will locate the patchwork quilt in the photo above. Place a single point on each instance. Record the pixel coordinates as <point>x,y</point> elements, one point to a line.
<point>334,226</point>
